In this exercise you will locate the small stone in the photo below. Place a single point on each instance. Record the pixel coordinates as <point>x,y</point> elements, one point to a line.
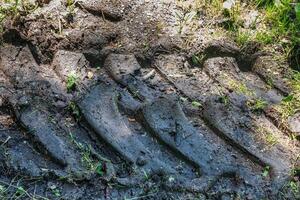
<point>90,75</point>
<point>52,186</point>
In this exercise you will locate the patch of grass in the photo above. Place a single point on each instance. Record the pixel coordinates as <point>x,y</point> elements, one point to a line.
<point>214,6</point>
<point>219,9</point>
<point>70,3</point>
<point>257,105</point>
<point>99,169</point>
<point>291,103</point>
<point>72,81</point>
<point>55,191</point>
<point>270,82</point>
<point>267,136</point>
<point>264,3</point>
<point>13,8</point>
<point>242,37</point>
<point>2,191</point>
<point>233,17</point>
<point>271,139</point>
<point>13,190</point>
<point>9,8</point>
<point>87,158</point>
<point>197,59</point>
<point>288,106</point>
<point>240,87</point>
<point>264,37</point>
<point>283,21</point>
<point>280,16</point>
<point>20,193</point>
<point>295,187</point>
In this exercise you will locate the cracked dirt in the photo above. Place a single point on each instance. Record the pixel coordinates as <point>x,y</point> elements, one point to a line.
<point>141,121</point>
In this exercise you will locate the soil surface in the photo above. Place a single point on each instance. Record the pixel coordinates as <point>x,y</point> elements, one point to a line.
<point>141,120</point>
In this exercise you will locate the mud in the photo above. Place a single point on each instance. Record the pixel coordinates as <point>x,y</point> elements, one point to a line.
<point>140,121</point>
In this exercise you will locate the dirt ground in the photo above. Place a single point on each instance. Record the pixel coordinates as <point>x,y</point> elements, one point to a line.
<point>104,100</point>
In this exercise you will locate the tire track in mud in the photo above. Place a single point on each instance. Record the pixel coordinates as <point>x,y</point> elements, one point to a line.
<point>160,116</point>
<point>166,122</point>
<point>132,115</point>
<point>217,123</point>
<point>105,126</point>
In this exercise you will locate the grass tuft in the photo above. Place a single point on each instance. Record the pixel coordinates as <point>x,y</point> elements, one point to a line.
<point>290,105</point>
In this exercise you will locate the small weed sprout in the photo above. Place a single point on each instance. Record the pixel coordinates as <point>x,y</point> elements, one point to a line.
<point>196,104</point>
<point>267,136</point>
<point>72,81</point>
<point>99,169</point>
<point>56,193</point>
<point>74,110</point>
<point>146,176</point>
<point>20,192</point>
<point>225,100</point>
<point>266,171</point>
<point>70,3</point>
<point>196,60</point>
